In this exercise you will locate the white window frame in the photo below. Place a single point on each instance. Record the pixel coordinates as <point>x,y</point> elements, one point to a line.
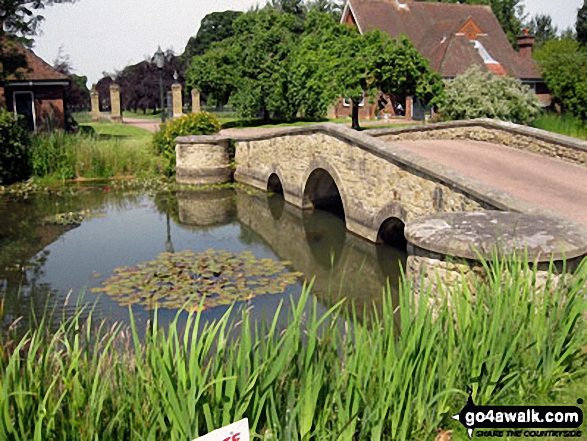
<point>32,105</point>
<point>346,102</point>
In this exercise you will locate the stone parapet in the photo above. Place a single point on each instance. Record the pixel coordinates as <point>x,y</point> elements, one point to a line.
<point>498,132</point>
<point>446,249</point>
<point>203,160</point>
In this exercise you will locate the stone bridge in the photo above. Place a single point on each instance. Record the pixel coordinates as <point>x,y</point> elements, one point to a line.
<point>376,184</point>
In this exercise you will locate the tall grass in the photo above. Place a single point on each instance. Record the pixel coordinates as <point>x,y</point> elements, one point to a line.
<point>65,156</point>
<point>562,124</point>
<point>325,377</point>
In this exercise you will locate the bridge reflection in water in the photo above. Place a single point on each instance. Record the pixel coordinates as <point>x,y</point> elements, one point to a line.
<point>316,243</point>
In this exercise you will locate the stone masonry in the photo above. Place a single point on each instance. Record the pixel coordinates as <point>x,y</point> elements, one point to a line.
<point>177,100</point>
<point>95,100</point>
<point>115,114</point>
<point>496,132</point>
<point>376,180</point>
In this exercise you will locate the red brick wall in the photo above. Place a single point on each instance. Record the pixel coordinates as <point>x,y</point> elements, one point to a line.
<point>49,105</point>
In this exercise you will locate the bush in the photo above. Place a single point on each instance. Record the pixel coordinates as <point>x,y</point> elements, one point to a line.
<point>201,123</point>
<point>477,94</point>
<point>14,160</point>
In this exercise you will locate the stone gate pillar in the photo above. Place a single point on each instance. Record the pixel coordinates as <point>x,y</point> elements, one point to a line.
<point>95,96</point>
<point>196,106</point>
<point>115,114</point>
<point>177,100</point>
<point>331,113</point>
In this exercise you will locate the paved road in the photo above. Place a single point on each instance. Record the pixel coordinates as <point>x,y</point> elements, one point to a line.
<point>152,125</point>
<point>557,185</point>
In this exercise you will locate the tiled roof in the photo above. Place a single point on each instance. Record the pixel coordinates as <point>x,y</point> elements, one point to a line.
<point>37,69</point>
<point>438,30</point>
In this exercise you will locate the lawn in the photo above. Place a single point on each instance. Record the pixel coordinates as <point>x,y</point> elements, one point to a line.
<point>108,130</point>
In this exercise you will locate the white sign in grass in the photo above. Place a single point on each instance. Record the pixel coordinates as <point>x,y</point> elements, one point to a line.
<point>238,431</point>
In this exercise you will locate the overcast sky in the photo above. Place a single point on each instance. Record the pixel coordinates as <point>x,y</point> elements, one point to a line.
<point>107,35</point>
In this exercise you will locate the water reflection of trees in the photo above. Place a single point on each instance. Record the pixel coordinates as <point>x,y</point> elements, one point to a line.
<point>24,237</point>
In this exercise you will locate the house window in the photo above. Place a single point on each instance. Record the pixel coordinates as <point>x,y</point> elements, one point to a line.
<point>346,102</point>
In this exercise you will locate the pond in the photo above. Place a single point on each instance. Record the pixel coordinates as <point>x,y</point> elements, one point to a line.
<point>58,250</point>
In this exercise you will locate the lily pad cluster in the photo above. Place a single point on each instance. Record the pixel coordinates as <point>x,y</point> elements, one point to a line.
<point>197,281</point>
<point>70,218</point>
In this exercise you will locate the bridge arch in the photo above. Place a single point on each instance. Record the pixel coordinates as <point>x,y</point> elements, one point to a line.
<point>274,184</point>
<point>389,224</point>
<point>322,189</point>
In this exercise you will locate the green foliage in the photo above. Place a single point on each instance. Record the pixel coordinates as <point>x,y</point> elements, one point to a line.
<point>564,63</point>
<point>19,19</point>
<point>477,94</point>
<point>269,69</point>
<point>214,27</point>
<point>581,24</point>
<point>542,28</point>
<point>65,156</point>
<point>563,124</point>
<point>323,376</point>
<point>201,123</point>
<point>14,159</point>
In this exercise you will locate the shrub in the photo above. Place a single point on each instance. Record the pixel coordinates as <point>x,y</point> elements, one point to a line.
<point>201,123</point>
<point>477,94</point>
<point>14,160</point>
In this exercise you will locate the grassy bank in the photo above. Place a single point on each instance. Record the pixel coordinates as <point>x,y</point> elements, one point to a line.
<point>101,150</point>
<point>562,124</point>
<point>323,377</point>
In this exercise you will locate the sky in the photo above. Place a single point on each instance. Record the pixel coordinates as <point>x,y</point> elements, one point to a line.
<point>107,35</point>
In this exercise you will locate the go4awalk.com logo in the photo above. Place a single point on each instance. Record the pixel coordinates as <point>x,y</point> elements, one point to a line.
<point>521,421</point>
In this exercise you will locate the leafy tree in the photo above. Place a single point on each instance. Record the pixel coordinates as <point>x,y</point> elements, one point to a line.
<point>477,94</point>
<point>329,7</point>
<point>19,20</point>
<point>335,60</point>
<point>214,27</point>
<point>103,89</point>
<point>77,95</point>
<point>542,28</point>
<point>251,66</point>
<point>294,7</point>
<point>564,63</point>
<point>581,24</point>
<point>139,83</point>
<point>214,74</point>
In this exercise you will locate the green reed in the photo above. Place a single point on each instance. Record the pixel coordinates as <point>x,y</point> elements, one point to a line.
<point>563,124</point>
<point>324,377</point>
<point>65,156</point>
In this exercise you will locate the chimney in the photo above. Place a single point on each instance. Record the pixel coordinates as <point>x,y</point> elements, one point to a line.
<point>526,44</point>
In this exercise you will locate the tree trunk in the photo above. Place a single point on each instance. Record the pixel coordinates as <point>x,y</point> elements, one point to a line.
<point>355,124</point>
<point>265,114</point>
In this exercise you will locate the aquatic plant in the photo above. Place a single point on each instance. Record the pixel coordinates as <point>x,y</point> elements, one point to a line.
<point>196,281</point>
<point>325,376</point>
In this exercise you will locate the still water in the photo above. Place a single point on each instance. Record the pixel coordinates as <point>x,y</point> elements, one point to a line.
<point>55,265</point>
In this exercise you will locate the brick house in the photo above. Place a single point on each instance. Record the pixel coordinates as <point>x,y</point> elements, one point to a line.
<point>452,36</point>
<point>37,93</point>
